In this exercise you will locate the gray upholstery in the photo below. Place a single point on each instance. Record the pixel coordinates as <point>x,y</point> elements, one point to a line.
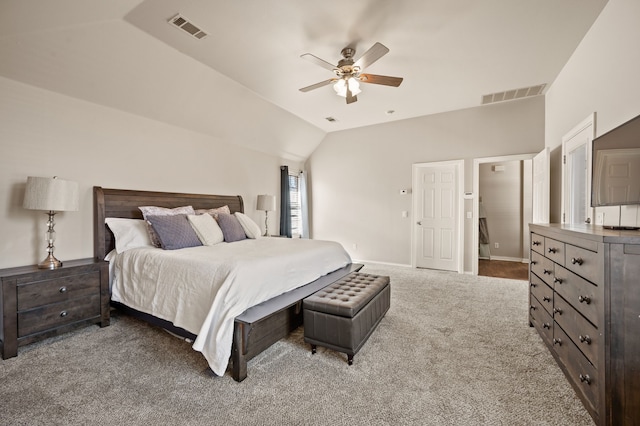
<point>343,315</point>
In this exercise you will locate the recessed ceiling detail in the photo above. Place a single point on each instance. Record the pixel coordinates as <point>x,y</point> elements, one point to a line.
<point>184,24</point>
<point>510,95</point>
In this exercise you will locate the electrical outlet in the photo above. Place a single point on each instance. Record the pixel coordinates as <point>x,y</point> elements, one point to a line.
<point>600,218</point>
<point>496,245</point>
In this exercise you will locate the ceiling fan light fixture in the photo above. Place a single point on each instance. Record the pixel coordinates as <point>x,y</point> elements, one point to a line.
<point>341,87</point>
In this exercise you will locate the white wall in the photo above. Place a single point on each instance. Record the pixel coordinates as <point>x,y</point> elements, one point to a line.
<point>356,175</point>
<point>601,76</point>
<point>47,134</point>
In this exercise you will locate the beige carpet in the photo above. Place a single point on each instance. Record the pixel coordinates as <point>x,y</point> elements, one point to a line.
<point>452,350</point>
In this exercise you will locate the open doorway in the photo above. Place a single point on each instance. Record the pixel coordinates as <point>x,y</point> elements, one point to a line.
<point>503,208</point>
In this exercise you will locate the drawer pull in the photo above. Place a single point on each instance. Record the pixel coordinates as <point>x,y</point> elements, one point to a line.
<point>576,260</point>
<point>546,325</point>
<point>63,289</point>
<point>584,299</point>
<point>63,314</point>
<point>557,341</point>
<point>533,308</point>
<point>536,243</point>
<point>552,250</point>
<point>534,285</point>
<point>533,262</point>
<point>546,271</point>
<point>546,299</point>
<point>557,280</point>
<point>585,339</point>
<point>585,378</point>
<point>557,311</point>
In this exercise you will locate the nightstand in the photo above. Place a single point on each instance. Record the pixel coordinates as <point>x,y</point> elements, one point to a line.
<point>40,303</point>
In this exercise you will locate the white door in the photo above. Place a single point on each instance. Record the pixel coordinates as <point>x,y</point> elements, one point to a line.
<point>436,213</point>
<point>541,187</point>
<point>576,173</point>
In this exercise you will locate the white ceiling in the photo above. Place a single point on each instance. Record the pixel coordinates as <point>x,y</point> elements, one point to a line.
<point>124,54</point>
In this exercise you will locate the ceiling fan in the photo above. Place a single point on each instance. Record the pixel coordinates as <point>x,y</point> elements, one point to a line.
<point>349,74</point>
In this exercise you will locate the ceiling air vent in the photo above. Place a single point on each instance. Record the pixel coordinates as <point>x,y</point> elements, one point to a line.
<point>510,95</point>
<point>184,24</point>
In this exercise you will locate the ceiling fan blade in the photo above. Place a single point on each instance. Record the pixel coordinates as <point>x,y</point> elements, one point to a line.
<point>318,61</point>
<point>317,85</point>
<point>381,79</point>
<point>376,52</point>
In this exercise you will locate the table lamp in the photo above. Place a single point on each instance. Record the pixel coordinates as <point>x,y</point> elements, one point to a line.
<point>268,204</point>
<point>51,195</point>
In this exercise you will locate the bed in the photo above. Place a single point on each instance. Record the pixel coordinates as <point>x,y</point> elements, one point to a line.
<point>237,330</point>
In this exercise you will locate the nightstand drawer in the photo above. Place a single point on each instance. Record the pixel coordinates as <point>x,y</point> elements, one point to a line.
<point>57,314</point>
<point>42,293</point>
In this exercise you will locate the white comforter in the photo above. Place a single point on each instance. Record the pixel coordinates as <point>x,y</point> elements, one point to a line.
<point>202,289</point>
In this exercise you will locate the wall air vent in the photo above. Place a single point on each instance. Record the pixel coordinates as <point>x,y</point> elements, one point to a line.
<point>511,95</point>
<point>184,24</point>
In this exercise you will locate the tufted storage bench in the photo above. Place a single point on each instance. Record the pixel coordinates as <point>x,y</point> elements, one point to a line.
<point>343,315</point>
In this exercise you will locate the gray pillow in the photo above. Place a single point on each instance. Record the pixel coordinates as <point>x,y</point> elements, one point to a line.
<point>175,231</point>
<point>231,228</point>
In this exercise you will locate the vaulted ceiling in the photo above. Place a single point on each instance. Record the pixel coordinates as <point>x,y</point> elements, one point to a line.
<point>240,83</point>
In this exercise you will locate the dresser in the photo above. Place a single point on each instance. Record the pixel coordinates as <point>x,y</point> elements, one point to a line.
<point>40,303</point>
<point>584,301</point>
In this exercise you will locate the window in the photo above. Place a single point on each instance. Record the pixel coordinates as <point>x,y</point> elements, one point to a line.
<point>296,207</point>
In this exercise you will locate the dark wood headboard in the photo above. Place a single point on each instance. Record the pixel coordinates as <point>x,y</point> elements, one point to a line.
<point>124,203</point>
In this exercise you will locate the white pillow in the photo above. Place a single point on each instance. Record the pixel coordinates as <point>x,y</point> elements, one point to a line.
<point>129,233</point>
<point>206,228</point>
<point>251,229</point>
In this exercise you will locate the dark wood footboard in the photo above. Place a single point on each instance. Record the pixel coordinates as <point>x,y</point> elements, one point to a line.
<point>263,325</point>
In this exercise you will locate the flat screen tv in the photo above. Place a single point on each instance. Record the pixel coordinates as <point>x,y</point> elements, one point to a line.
<point>616,166</point>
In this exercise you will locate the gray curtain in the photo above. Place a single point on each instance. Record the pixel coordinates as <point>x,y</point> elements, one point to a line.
<point>285,203</point>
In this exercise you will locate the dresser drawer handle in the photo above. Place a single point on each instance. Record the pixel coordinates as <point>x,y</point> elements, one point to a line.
<point>584,299</point>
<point>536,243</point>
<point>557,280</point>
<point>63,314</point>
<point>585,378</point>
<point>533,285</point>
<point>533,262</point>
<point>546,325</point>
<point>552,250</point>
<point>576,260</point>
<point>533,308</point>
<point>557,311</point>
<point>585,339</point>
<point>63,289</point>
<point>557,342</point>
<point>546,299</point>
<point>546,271</point>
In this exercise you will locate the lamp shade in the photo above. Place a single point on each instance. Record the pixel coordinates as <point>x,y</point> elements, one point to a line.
<point>266,203</point>
<point>50,194</point>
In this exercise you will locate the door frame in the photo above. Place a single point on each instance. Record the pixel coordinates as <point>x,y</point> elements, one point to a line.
<point>459,166</point>
<point>476,198</point>
<point>584,124</point>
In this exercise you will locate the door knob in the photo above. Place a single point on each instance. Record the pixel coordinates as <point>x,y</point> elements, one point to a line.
<point>588,220</point>
<point>419,222</point>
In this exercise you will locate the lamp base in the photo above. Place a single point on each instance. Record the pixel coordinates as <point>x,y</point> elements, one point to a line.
<point>50,263</point>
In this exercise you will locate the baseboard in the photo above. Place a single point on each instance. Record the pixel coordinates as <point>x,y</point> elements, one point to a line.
<point>402,265</point>
<point>510,259</point>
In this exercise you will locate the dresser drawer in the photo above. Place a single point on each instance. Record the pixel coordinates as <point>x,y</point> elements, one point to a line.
<point>542,267</point>
<point>581,331</point>
<point>542,292</point>
<point>580,370</point>
<point>537,243</point>
<point>57,314</point>
<point>40,293</point>
<point>554,249</point>
<point>541,319</point>
<point>587,264</point>
<point>582,294</point>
